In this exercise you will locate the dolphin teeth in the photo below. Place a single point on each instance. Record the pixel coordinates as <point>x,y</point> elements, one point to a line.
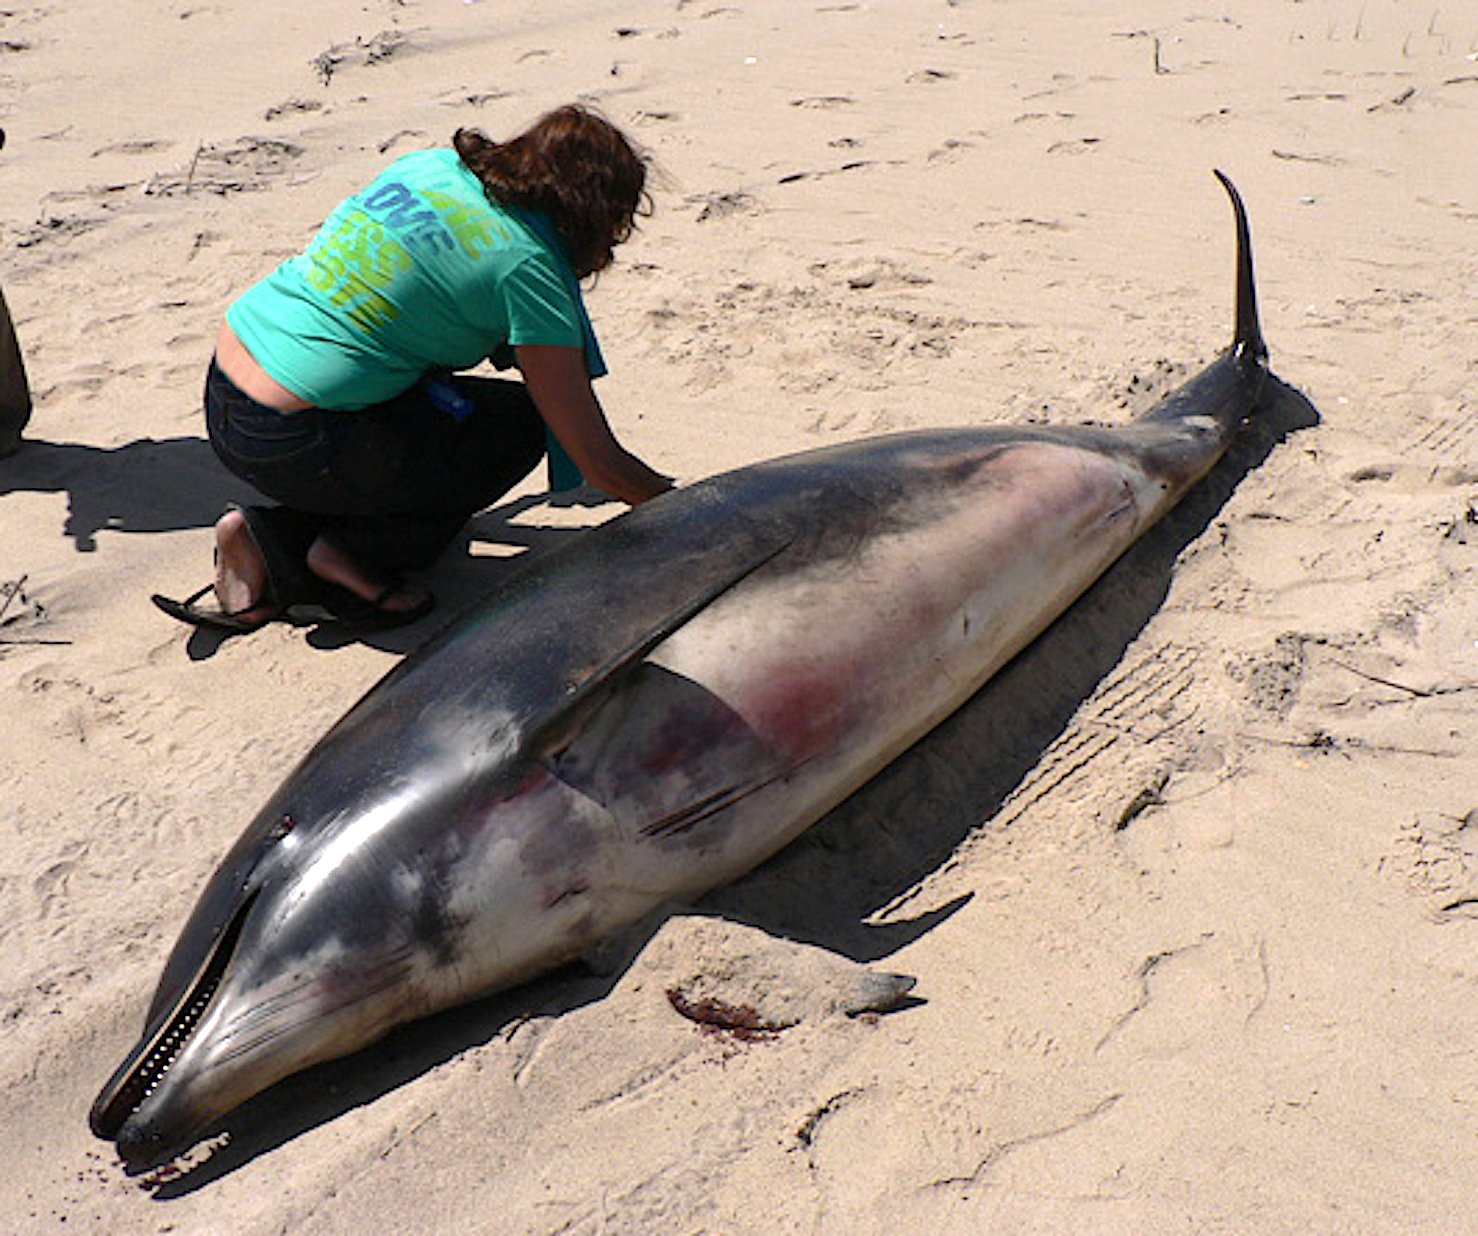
<point>140,1076</point>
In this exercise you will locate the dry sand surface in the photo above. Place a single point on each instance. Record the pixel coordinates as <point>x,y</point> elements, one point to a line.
<point>1191,892</point>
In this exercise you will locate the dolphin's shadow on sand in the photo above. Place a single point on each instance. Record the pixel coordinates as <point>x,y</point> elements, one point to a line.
<point>875,846</point>
<point>866,852</point>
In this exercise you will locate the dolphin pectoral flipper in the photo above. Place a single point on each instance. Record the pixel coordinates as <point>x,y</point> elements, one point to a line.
<point>552,733</point>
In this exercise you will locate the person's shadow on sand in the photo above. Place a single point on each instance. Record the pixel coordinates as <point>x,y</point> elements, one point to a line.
<point>147,485</point>
<point>174,484</point>
<point>866,853</point>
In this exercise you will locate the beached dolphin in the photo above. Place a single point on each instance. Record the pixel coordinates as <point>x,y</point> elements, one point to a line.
<point>641,715</point>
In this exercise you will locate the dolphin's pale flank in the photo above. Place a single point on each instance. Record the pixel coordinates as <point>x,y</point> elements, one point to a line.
<point>645,713</point>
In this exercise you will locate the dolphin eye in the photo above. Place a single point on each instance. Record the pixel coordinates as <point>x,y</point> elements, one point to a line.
<point>281,829</point>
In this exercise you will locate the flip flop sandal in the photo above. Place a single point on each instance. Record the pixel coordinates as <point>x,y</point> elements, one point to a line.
<point>213,619</point>
<point>289,583</point>
<point>354,611</point>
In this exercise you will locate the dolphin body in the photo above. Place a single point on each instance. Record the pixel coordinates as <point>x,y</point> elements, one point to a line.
<point>641,715</point>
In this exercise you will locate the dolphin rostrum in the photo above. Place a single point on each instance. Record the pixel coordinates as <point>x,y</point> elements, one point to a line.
<point>643,714</point>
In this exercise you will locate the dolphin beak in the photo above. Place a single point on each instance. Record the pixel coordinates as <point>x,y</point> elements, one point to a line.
<point>169,1031</point>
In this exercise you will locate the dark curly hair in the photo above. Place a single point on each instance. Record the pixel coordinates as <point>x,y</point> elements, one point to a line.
<point>576,167</point>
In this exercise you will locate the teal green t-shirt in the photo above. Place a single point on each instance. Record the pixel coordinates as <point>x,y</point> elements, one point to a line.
<point>417,272</point>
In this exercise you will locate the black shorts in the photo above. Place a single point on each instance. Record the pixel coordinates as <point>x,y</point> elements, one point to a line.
<point>394,483</point>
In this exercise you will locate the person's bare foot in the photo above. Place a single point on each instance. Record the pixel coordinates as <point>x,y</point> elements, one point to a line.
<point>241,572</point>
<point>331,564</point>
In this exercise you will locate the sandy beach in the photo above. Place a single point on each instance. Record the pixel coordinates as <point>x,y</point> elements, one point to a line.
<point>1190,891</point>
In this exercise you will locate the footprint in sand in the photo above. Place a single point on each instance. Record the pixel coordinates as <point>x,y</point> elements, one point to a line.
<point>463,97</point>
<point>248,164</point>
<point>140,146</point>
<point>823,101</point>
<point>292,107</point>
<point>415,137</point>
<point>1436,857</point>
<point>1078,146</point>
<point>377,49</point>
<point>1452,435</point>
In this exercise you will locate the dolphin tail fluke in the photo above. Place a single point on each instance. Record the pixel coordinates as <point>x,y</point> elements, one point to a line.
<point>1248,329</point>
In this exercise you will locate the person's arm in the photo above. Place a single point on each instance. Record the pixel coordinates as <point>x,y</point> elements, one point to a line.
<point>561,389</point>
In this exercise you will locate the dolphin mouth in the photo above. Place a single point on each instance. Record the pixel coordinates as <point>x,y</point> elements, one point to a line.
<point>144,1068</point>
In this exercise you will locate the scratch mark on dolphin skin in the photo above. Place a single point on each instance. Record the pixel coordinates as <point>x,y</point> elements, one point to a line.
<point>687,818</point>
<point>691,816</point>
<point>1125,506</point>
<point>397,969</point>
<point>576,890</point>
